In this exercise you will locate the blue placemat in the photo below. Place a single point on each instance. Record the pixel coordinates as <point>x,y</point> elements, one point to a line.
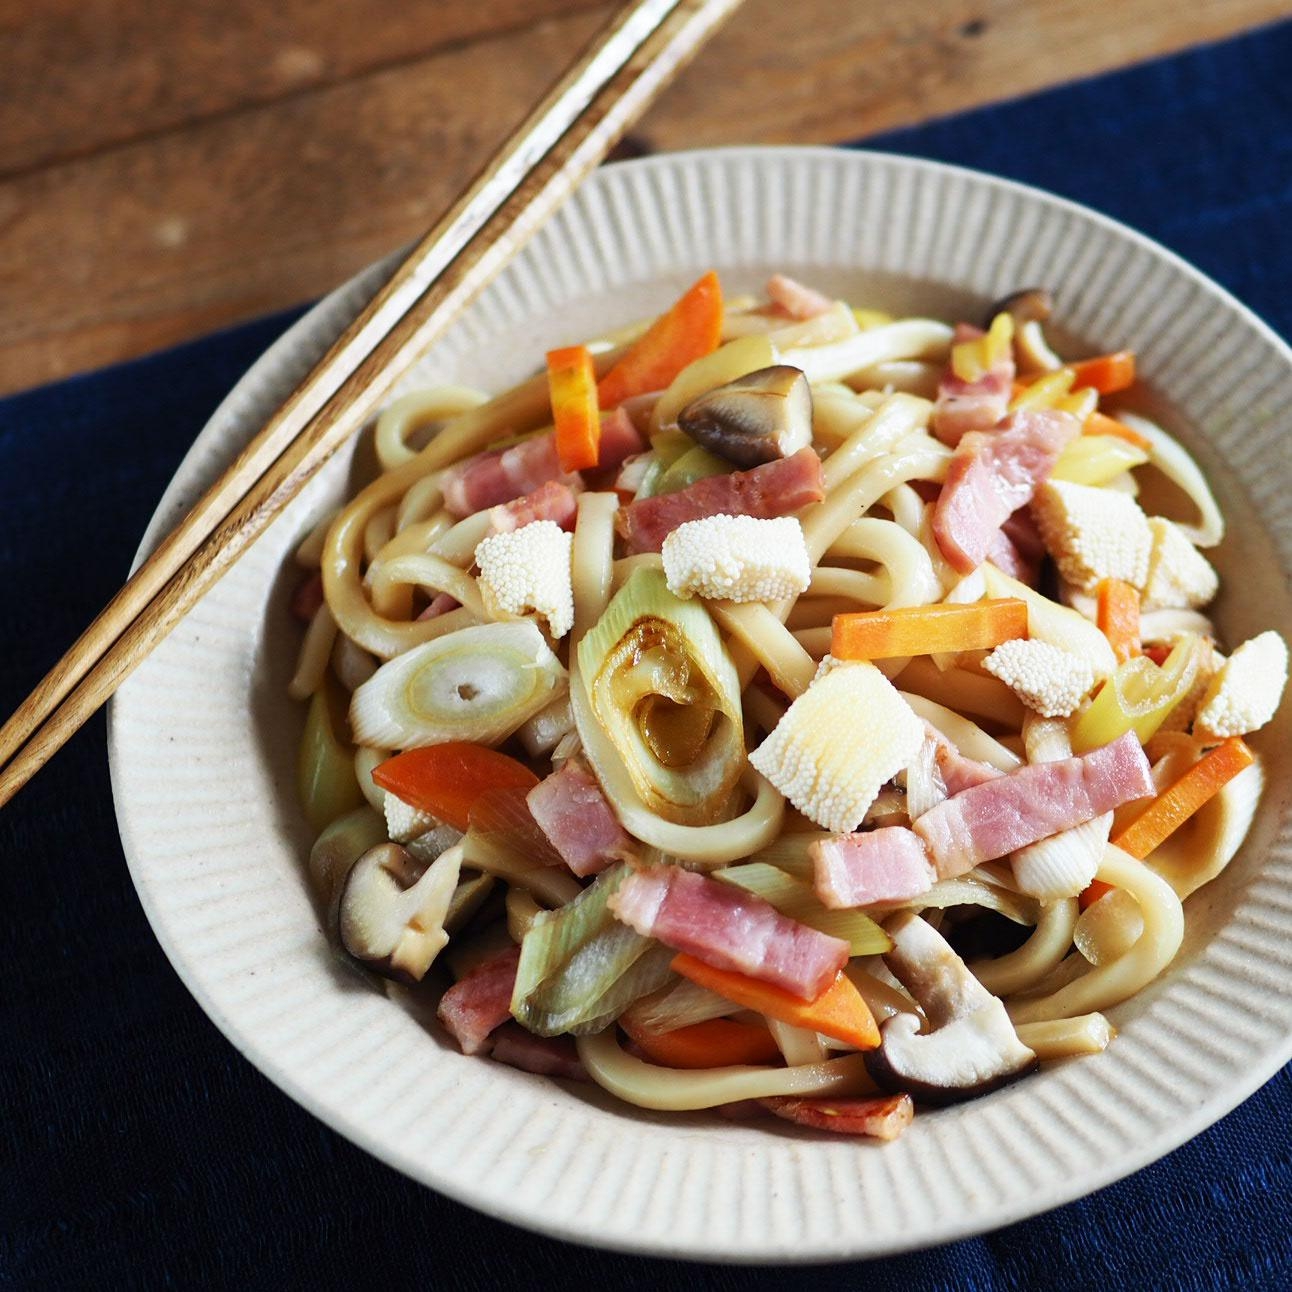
<point>138,1149</point>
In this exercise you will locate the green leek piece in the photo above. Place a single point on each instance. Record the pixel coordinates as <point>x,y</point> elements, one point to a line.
<point>661,685</point>
<point>799,902</point>
<point>1097,459</point>
<point>695,464</point>
<point>325,777</point>
<point>1139,696</point>
<point>737,358</point>
<point>580,968</point>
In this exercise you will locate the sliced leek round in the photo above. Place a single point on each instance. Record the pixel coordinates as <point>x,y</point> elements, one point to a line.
<point>478,684</point>
<point>663,689</point>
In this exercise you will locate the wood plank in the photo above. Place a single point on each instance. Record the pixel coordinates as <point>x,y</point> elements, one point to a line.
<point>81,75</point>
<point>155,241</point>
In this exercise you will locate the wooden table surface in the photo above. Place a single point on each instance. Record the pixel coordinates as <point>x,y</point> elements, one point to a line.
<point>167,168</point>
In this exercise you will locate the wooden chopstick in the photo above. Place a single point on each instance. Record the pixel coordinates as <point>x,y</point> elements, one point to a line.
<point>601,96</point>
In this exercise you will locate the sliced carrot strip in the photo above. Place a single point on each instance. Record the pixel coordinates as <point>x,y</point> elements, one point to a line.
<point>1107,373</point>
<point>1093,892</point>
<point>927,630</point>
<point>839,1011</point>
<point>718,1043</point>
<point>1179,801</point>
<point>445,780</point>
<point>1118,617</point>
<point>572,382</point>
<point>1101,424</point>
<point>687,332</point>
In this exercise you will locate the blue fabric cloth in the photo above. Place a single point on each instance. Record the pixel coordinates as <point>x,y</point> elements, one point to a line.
<point>138,1149</point>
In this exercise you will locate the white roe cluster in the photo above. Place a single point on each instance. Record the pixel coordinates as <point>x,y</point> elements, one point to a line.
<point>1093,533</point>
<point>1050,681</point>
<point>528,570</point>
<point>1178,574</point>
<point>1246,690</point>
<point>737,558</point>
<point>837,744</point>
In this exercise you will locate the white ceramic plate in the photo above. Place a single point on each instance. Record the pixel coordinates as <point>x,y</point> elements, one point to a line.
<point>203,738</point>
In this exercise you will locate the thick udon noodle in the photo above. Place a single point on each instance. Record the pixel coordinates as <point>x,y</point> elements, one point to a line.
<point>871,547</point>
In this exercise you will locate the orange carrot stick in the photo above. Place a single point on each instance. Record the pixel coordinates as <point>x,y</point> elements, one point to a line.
<point>1101,424</point>
<point>688,331</point>
<point>572,382</point>
<point>445,780</point>
<point>927,630</point>
<point>1107,373</point>
<point>1179,801</point>
<point>1118,617</point>
<point>718,1043</point>
<point>839,1011</point>
<point>1093,892</point>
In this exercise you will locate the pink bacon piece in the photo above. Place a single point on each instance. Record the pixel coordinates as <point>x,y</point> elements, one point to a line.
<point>992,474</point>
<point>964,406</point>
<point>1017,549</point>
<point>499,475</point>
<point>884,865</point>
<point>729,929</point>
<point>554,500</point>
<point>958,772</point>
<point>773,489</point>
<point>480,1002</point>
<point>307,598</point>
<point>549,1056</point>
<point>573,813</point>
<point>884,1118</point>
<point>1031,803</point>
<point>794,299</point>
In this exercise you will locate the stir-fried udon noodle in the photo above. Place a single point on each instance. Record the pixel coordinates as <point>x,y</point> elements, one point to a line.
<point>777,706</point>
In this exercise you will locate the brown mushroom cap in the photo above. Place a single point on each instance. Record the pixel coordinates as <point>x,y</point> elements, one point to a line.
<point>972,1047</point>
<point>757,418</point>
<point>1027,305</point>
<point>392,910</point>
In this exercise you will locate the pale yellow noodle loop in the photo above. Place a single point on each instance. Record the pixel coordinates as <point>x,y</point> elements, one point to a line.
<point>1112,983</point>
<point>592,559</point>
<point>830,581</point>
<point>316,650</point>
<point>965,692</point>
<point>769,641</point>
<point>912,581</point>
<point>413,413</point>
<point>1050,941</point>
<point>907,508</point>
<point>309,552</point>
<point>837,412</point>
<point>880,433</point>
<point>379,530</point>
<point>649,1086</point>
<point>394,600</point>
<point>969,738</point>
<point>422,501</point>
<point>520,408</point>
<point>1062,1038</point>
<point>426,571</point>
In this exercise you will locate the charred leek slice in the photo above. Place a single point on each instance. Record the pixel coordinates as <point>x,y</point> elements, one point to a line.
<point>478,684</point>
<point>579,967</point>
<point>1139,696</point>
<point>662,687</point>
<point>799,902</point>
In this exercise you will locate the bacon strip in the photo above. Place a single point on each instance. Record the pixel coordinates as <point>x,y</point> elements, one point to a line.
<point>883,1118</point>
<point>549,1056</point>
<point>992,474</point>
<point>499,475</point>
<point>1017,549</point>
<point>573,813</point>
<point>964,406</point>
<point>554,500</point>
<point>884,865</point>
<point>480,1002</point>
<point>773,489</point>
<point>795,299</point>
<point>729,929</point>
<point>1031,803</point>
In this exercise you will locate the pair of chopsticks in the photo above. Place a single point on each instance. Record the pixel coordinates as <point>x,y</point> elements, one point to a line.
<point>602,94</point>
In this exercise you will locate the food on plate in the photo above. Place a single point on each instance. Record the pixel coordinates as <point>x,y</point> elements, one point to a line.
<point>778,707</point>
